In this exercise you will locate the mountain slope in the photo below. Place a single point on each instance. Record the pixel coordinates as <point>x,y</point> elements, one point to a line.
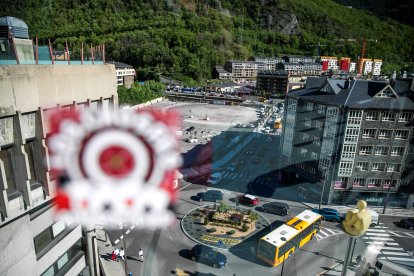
<point>184,39</point>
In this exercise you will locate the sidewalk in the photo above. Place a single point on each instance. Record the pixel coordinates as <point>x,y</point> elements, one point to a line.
<point>389,211</point>
<point>105,248</point>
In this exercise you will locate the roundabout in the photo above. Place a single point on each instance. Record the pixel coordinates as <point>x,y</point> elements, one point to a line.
<point>222,226</point>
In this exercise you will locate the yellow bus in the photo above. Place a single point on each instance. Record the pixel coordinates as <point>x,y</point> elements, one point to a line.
<point>282,242</point>
<point>278,123</point>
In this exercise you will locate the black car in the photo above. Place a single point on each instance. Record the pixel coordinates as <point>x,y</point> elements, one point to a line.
<point>407,223</point>
<point>208,256</point>
<point>277,208</point>
<point>191,128</point>
<point>210,195</point>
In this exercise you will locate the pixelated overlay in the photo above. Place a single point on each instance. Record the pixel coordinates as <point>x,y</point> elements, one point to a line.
<point>115,166</point>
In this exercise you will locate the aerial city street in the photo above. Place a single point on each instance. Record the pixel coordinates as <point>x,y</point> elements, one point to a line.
<point>215,137</point>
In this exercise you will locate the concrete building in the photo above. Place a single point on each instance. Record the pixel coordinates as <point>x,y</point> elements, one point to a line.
<point>355,137</point>
<point>352,67</point>
<point>221,74</point>
<point>244,71</point>
<point>125,74</point>
<point>32,241</point>
<point>270,61</point>
<point>329,63</point>
<point>377,64</point>
<point>366,66</point>
<point>273,82</point>
<point>297,59</point>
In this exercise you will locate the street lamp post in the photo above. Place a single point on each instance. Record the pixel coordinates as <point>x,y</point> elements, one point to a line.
<point>283,264</point>
<point>388,192</point>
<point>323,187</point>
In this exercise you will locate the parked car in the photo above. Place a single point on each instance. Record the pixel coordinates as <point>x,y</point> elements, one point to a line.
<point>374,218</point>
<point>191,128</point>
<point>407,223</point>
<point>208,256</point>
<point>210,195</point>
<point>248,199</point>
<point>214,178</point>
<point>328,214</point>
<point>231,167</point>
<point>267,129</point>
<point>277,208</point>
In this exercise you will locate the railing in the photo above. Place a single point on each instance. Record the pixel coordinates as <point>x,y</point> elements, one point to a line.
<point>26,51</point>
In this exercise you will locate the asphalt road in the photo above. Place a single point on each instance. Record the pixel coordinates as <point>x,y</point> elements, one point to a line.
<point>165,250</point>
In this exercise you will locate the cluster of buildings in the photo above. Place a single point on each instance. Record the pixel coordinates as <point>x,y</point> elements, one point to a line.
<point>354,137</point>
<point>33,85</point>
<point>279,75</point>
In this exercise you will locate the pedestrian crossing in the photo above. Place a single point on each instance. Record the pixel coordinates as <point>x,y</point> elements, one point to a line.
<point>325,233</point>
<point>237,175</point>
<point>382,240</point>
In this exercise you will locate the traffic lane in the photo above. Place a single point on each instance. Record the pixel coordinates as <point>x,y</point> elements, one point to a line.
<point>393,223</point>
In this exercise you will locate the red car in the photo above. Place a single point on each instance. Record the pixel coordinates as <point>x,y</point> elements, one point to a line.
<point>248,199</point>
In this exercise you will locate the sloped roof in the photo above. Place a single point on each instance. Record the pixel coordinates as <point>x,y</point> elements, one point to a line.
<point>359,94</point>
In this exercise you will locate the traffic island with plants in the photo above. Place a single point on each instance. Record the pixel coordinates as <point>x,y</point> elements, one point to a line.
<point>222,225</point>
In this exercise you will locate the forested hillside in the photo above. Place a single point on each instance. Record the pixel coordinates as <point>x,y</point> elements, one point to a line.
<point>184,39</point>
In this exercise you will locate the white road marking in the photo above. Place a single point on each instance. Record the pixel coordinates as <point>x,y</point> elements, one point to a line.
<point>378,238</point>
<point>127,231</point>
<point>116,242</point>
<point>395,253</point>
<point>132,227</point>
<point>183,188</point>
<point>397,259</point>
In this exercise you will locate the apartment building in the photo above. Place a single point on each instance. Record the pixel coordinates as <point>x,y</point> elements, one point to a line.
<point>329,63</point>
<point>270,61</point>
<point>355,137</point>
<point>273,82</point>
<point>297,59</point>
<point>221,74</point>
<point>244,71</point>
<point>377,64</point>
<point>33,241</point>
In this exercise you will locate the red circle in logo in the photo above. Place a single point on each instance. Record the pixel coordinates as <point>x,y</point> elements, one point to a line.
<point>116,161</point>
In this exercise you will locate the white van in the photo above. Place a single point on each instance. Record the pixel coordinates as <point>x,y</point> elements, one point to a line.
<point>374,218</point>
<point>214,178</point>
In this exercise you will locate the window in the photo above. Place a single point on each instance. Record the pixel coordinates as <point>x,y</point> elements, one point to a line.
<point>365,150</point>
<point>374,182</point>
<point>320,109</point>
<point>386,93</point>
<point>68,256</point>
<point>358,182</point>
<point>348,151</point>
<point>401,134</point>
<point>318,124</point>
<point>29,148</point>
<point>397,151</point>
<point>410,150</point>
<point>388,116</point>
<point>381,150</point>
<point>354,117</point>
<point>309,106</point>
<point>369,133</point>
<point>378,167</point>
<point>372,116</point>
<point>345,167</point>
<point>48,235</point>
<point>316,140</point>
<point>6,157</point>
<point>351,134</point>
<point>305,136</point>
<point>314,156</point>
<point>362,166</point>
<point>303,151</point>
<point>393,167</point>
<point>388,181</point>
<point>404,117</point>
<point>384,134</point>
<point>308,122</point>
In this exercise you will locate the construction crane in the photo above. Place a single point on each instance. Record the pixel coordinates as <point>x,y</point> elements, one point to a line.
<point>361,58</point>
